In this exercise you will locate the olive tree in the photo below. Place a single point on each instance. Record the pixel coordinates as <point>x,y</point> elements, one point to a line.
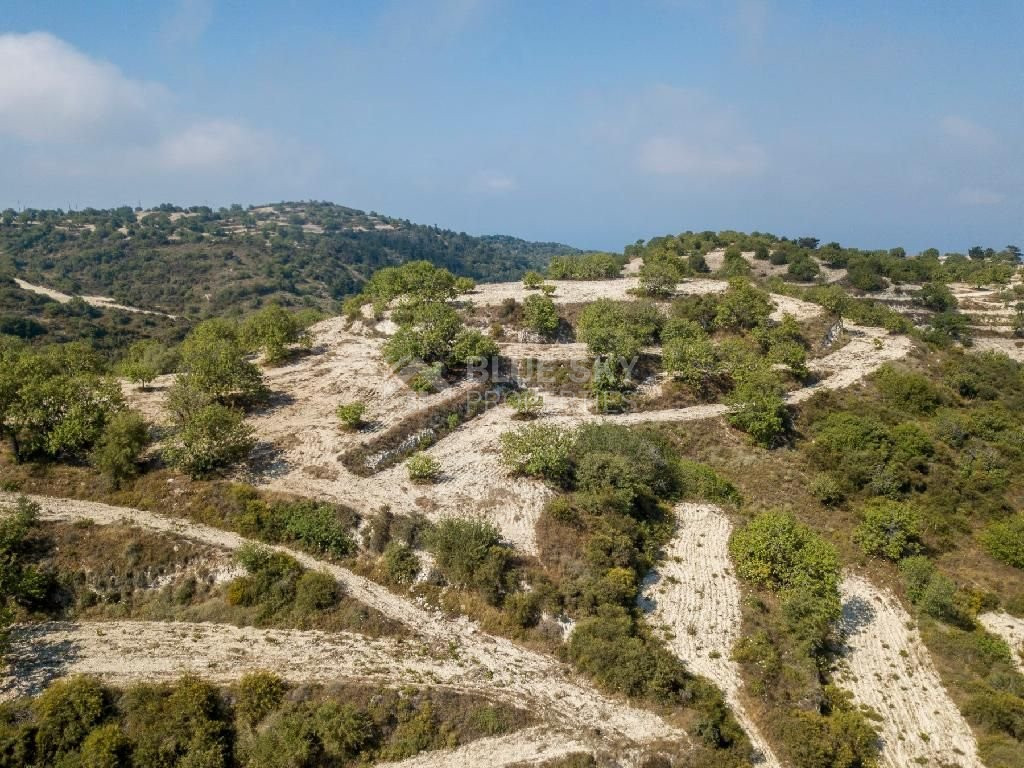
<point>212,440</point>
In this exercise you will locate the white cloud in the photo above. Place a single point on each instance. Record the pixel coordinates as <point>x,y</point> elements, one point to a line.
<point>55,93</point>
<point>187,22</point>
<point>672,155</point>
<point>669,131</point>
<point>92,119</point>
<point>965,131</point>
<point>493,182</point>
<point>979,196</point>
<point>211,144</point>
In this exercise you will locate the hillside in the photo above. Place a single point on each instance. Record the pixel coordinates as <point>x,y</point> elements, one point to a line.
<point>721,500</point>
<point>197,262</point>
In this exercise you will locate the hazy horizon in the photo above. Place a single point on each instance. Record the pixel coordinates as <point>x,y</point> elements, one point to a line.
<point>588,124</point>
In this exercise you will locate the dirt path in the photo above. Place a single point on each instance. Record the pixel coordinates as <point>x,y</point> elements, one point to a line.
<point>585,291</point>
<point>124,652</point>
<point>886,667</point>
<point>529,746</point>
<point>550,690</point>
<point>1012,348</point>
<point>1009,628</point>
<point>102,302</point>
<point>696,598</point>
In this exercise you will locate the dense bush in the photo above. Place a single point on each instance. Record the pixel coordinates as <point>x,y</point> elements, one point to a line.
<point>116,453</point>
<point>908,391</point>
<point>538,450</point>
<point>423,468</point>
<point>318,527</point>
<point>257,694</point>
<point>145,360</point>
<point>658,280</point>
<point>22,581</point>
<point>470,555</point>
<point>778,553</point>
<point>756,405</point>
<point>540,315</point>
<point>585,266</point>
<point>213,362</point>
<point>258,722</point>
<point>742,306</point>
<point>212,440</point>
<point>889,529</point>
<point>55,401</point>
<point>1004,540</point>
<point>618,329</point>
<point>273,331</point>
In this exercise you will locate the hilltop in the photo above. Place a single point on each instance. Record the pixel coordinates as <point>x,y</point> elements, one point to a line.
<point>197,262</point>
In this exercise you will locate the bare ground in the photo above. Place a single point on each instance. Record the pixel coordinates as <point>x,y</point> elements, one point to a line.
<point>887,668</point>
<point>102,302</point>
<point>695,598</point>
<point>124,652</point>
<point>550,690</point>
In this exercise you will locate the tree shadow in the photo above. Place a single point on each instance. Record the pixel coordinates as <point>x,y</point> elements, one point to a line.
<point>34,660</point>
<point>858,613</point>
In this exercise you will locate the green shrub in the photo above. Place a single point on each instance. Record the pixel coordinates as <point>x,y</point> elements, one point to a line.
<point>106,747</point>
<point>399,563</point>
<point>423,468</point>
<point>272,331</point>
<point>776,552</point>
<point>186,724</point>
<point>699,481</point>
<point>658,280</point>
<point>538,450</point>
<point>826,490</point>
<point>540,315</point>
<point>116,453</point>
<point>803,268</point>
<point>585,266</point>
<point>1004,540</point>
<point>214,439</point>
<point>932,592</point>
<point>317,526</point>
<point>646,465</point>
<point>909,392</point>
<point>757,408</point>
<point>145,360</point>
<point>526,404</point>
<point>742,306</point>
<point>618,329</point>
<point>316,591</point>
<point>473,347</point>
<point>257,695</point>
<point>693,362</point>
<point>213,362</point>
<point>351,414</point>
<point>66,712</point>
<point>889,529</point>
<point>608,648</point>
<point>470,554</point>
<point>524,608</point>
<point>533,280</point>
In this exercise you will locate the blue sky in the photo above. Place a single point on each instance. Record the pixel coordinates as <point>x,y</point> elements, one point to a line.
<point>593,123</point>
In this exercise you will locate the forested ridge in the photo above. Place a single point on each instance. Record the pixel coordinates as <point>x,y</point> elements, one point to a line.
<point>199,262</point>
